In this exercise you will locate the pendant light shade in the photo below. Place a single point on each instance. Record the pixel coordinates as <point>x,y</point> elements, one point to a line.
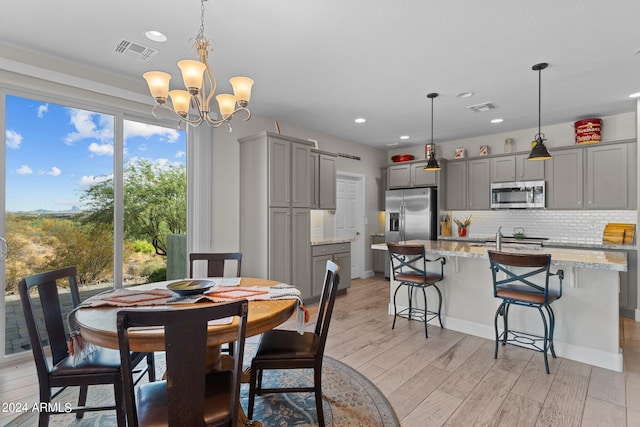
<point>539,151</point>
<point>432,163</point>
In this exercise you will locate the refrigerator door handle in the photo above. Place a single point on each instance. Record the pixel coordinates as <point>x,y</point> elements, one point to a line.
<point>402,209</point>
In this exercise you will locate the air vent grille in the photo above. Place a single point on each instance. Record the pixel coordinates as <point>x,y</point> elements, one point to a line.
<point>133,49</point>
<point>481,108</point>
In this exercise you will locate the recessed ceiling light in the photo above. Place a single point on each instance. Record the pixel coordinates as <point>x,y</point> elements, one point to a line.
<point>360,120</point>
<point>155,36</point>
<point>635,95</point>
<point>392,144</point>
<point>404,137</point>
<point>464,94</point>
<point>497,121</point>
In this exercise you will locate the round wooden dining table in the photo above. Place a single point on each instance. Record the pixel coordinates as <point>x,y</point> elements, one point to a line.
<point>98,326</point>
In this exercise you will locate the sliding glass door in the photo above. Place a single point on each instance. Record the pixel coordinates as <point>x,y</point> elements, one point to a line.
<point>60,177</point>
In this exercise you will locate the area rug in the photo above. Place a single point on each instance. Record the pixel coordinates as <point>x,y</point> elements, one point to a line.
<point>350,399</point>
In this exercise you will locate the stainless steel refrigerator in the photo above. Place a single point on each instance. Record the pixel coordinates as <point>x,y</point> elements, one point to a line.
<point>410,215</point>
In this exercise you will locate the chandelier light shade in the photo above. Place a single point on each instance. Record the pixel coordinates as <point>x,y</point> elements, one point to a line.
<point>539,150</point>
<point>193,105</point>
<point>432,162</point>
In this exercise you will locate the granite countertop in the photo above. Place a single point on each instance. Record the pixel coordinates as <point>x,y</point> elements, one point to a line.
<point>585,258</point>
<point>330,240</point>
<point>551,243</point>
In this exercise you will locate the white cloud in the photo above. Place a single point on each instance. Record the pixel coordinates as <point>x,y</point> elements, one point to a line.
<point>89,180</point>
<point>42,109</point>
<point>89,125</point>
<point>101,149</point>
<point>54,171</point>
<point>14,139</point>
<point>24,170</point>
<point>134,129</point>
<point>180,154</point>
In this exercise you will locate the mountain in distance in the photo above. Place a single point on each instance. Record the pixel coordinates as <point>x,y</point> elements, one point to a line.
<point>74,210</point>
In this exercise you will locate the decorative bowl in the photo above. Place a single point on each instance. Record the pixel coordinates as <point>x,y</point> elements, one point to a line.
<point>402,158</point>
<point>190,287</point>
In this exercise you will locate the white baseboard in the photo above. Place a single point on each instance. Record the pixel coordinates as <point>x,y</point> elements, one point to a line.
<point>637,315</point>
<point>367,274</point>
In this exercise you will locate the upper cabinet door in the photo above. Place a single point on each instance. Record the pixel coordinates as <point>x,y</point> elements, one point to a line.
<point>564,178</point>
<point>456,190</point>
<point>300,178</point>
<point>327,187</point>
<point>280,173</point>
<point>421,177</point>
<point>399,176</point>
<point>529,170</point>
<point>503,169</point>
<point>606,177</point>
<point>479,184</point>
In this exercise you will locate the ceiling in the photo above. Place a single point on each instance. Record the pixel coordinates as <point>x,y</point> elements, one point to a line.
<point>320,64</point>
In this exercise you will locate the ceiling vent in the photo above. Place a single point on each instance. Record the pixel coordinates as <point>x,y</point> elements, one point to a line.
<point>135,50</point>
<point>481,108</point>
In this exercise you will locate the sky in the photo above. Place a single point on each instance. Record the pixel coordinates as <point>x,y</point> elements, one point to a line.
<point>54,152</point>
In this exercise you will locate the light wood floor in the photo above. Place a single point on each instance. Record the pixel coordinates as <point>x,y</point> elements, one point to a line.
<point>451,379</point>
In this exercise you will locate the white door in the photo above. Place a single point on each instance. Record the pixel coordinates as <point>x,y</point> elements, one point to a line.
<point>349,217</point>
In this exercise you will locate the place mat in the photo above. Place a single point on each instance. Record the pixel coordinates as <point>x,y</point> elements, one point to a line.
<point>219,294</point>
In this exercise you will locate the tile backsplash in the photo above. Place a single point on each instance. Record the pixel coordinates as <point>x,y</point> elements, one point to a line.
<point>580,226</point>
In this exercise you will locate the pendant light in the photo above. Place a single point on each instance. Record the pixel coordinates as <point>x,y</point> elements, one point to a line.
<point>432,163</point>
<point>539,151</point>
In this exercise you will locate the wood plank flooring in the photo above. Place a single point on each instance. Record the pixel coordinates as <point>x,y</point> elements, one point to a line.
<point>450,379</point>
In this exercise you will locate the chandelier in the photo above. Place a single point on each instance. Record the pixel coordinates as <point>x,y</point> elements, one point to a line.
<point>193,105</point>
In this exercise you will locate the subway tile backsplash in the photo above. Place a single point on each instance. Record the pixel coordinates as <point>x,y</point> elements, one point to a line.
<point>580,226</point>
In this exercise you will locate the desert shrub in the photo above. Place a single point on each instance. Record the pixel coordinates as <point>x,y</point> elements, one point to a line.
<point>142,246</point>
<point>158,275</point>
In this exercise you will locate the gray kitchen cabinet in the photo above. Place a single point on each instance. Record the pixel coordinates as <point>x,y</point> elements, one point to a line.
<point>274,208</point>
<point>456,179</point>
<point>411,174</point>
<point>628,297</point>
<point>421,177</point>
<point>340,253</point>
<point>606,177</point>
<point>479,184</point>
<point>378,258</point>
<point>314,172</point>
<point>516,168</point>
<point>323,180</point>
<point>399,176</point>
<point>327,173</point>
<point>564,179</point>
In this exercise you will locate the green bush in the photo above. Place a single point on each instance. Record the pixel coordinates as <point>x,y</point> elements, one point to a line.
<point>142,246</point>
<point>158,275</point>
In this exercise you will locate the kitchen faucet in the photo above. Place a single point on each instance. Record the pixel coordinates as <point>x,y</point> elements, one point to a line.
<point>499,239</point>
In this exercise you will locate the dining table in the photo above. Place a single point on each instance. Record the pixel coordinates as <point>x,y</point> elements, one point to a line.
<point>97,325</point>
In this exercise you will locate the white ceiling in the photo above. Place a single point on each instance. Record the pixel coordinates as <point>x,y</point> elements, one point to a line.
<point>321,63</point>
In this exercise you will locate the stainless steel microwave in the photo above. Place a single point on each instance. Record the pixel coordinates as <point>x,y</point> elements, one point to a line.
<point>518,195</point>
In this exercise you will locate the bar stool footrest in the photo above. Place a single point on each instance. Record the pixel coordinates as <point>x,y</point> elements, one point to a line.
<point>524,340</point>
<point>417,314</point>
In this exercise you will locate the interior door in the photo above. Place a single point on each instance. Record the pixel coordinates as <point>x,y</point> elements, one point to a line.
<point>349,219</point>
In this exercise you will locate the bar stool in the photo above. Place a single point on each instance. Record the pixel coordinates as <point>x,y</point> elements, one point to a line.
<point>409,268</point>
<point>517,288</point>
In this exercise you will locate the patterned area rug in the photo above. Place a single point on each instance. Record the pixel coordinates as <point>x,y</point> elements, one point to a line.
<point>350,399</point>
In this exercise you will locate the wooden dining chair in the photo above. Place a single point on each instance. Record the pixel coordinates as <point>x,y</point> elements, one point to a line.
<point>215,268</point>
<point>46,324</point>
<point>523,280</point>
<point>282,349</point>
<point>189,396</point>
<point>215,262</point>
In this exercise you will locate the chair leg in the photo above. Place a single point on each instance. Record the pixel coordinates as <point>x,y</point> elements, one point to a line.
<point>395,307</point>
<point>439,304</point>
<point>317,374</point>
<point>43,419</point>
<point>546,340</point>
<point>252,392</point>
<point>151,367</point>
<point>424,297</point>
<point>230,348</point>
<point>82,400</point>
<point>410,298</point>
<point>552,325</point>
<point>495,326</point>
<point>121,415</point>
<point>506,322</point>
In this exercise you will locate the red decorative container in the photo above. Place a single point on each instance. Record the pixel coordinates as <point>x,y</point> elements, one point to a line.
<point>588,131</point>
<point>402,158</point>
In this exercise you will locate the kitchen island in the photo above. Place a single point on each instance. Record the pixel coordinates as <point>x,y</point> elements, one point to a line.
<point>587,320</point>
